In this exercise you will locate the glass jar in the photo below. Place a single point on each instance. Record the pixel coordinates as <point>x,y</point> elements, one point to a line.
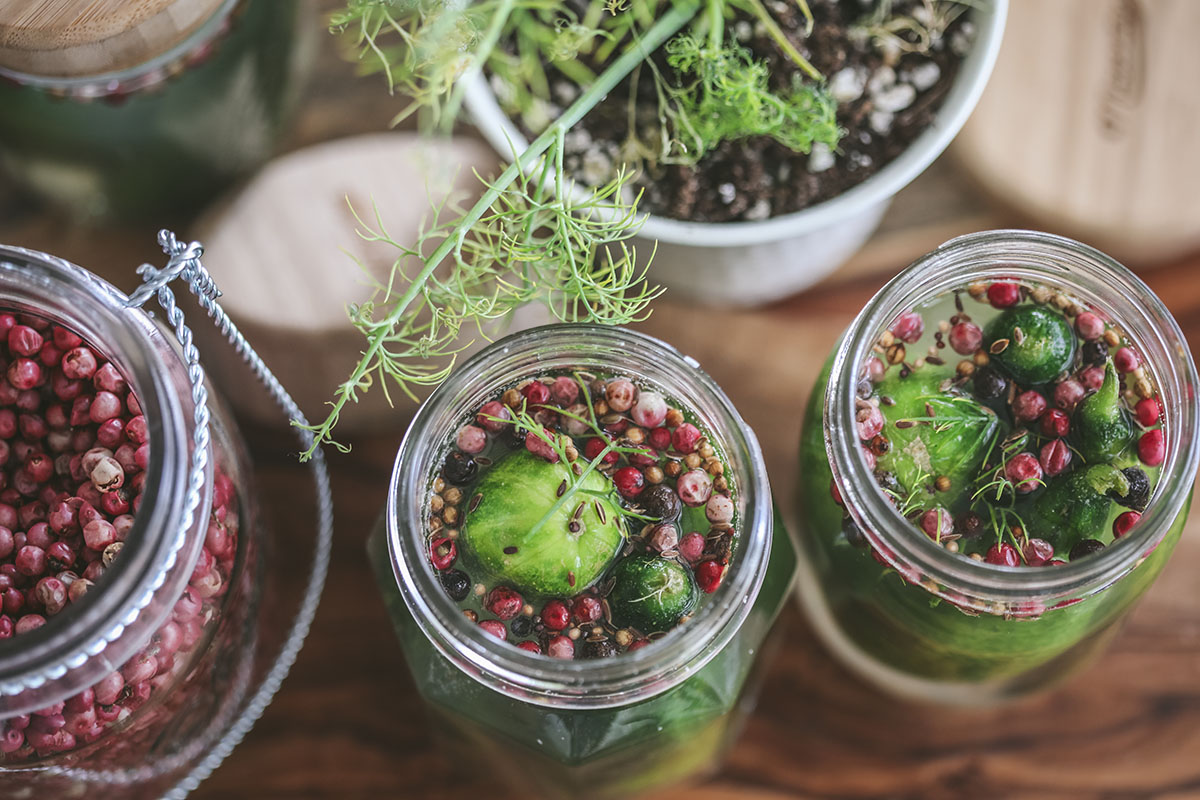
<point>142,685</point>
<point>164,136</point>
<point>920,621</point>
<point>586,728</point>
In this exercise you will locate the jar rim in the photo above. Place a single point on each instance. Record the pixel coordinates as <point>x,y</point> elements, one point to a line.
<point>534,678</point>
<point>88,640</point>
<point>1085,272</point>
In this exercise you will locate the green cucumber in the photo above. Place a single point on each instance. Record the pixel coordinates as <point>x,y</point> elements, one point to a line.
<point>1102,429</point>
<point>1040,344</point>
<point>651,593</point>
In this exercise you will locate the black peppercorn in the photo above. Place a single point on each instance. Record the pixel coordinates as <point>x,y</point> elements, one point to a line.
<point>456,583</point>
<point>968,525</point>
<point>603,648</point>
<point>854,534</point>
<point>1094,353</point>
<point>460,468</point>
<point>662,502</point>
<point>1138,495</point>
<point>522,626</point>
<point>989,384</point>
<point>1085,547</point>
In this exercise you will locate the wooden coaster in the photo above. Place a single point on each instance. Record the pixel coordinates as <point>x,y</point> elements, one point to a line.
<point>286,255</point>
<point>1088,123</point>
<point>77,38</point>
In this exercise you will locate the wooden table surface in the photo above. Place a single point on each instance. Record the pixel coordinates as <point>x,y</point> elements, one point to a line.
<point>348,723</point>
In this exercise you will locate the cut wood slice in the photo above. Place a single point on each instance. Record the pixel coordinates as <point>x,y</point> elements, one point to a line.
<point>53,38</point>
<point>286,254</point>
<point>1088,123</point>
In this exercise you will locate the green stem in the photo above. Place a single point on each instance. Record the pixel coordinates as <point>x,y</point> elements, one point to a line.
<point>777,34</point>
<point>664,28</point>
<point>486,45</point>
<point>716,24</point>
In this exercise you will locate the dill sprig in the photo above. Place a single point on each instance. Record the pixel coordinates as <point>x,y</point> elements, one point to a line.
<point>917,32</point>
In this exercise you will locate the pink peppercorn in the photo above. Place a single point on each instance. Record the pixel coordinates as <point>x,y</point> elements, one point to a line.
<point>1003,294</point>
<point>1152,447</point>
<point>659,438</point>
<point>24,373</point>
<point>685,438</point>
<point>1003,554</point>
<point>1038,552</point>
<point>709,575</point>
<point>936,523</point>
<point>443,552</point>
<point>560,647</point>
<point>1089,326</point>
<point>1055,423</point>
<point>1055,457</point>
<point>493,416</point>
<point>694,487</point>
<point>529,647</point>
<point>1029,405</point>
<point>908,327</point>
<point>1024,471</point>
<point>876,369</point>
<point>1124,522</point>
<point>64,338</point>
<point>593,447</point>
<point>31,561</point>
<point>1092,378</point>
<point>555,615</point>
<point>564,391</point>
<point>1126,360</point>
<point>620,394</point>
<point>1068,394</point>
<point>109,379</point>
<point>650,409</point>
<point>869,421</point>
<point>29,622</point>
<point>586,609</point>
<point>24,341</point>
<point>1147,412</point>
<point>691,547</point>
<point>471,439</point>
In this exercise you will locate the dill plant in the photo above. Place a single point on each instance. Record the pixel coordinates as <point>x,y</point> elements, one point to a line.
<point>531,236</point>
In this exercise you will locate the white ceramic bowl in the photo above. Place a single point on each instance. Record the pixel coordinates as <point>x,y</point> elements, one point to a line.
<point>751,263</point>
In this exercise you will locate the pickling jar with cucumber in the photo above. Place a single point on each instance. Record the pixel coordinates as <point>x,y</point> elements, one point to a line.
<point>996,463</point>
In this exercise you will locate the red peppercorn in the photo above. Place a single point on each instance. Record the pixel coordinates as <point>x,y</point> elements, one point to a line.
<point>1038,552</point>
<point>594,446</point>
<point>555,615</point>
<point>1055,457</point>
<point>443,552</point>
<point>586,609</point>
<point>24,340</point>
<point>1055,423</point>
<point>24,373</point>
<point>109,379</point>
<point>1092,378</point>
<point>629,481</point>
<point>564,391</point>
<point>1152,447</point>
<point>1147,412</point>
<point>536,394</point>
<point>691,547</point>
<point>936,523</point>
<point>504,602</point>
<point>869,421</point>
<point>1124,522</point>
<point>529,647</point>
<point>1068,394</point>
<point>560,647</point>
<point>685,438</point>
<point>1003,294</point>
<point>620,393</point>
<point>1003,554</point>
<point>659,438</point>
<point>694,487</point>
<point>538,445</point>
<point>709,575</point>
<point>493,416</point>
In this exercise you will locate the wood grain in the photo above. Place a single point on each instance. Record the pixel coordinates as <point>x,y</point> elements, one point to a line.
<point>348,723</point>
<point>73,38</point>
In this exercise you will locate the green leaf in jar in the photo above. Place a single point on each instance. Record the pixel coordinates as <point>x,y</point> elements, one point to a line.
<point>521,532</point>
<point>934,432</point>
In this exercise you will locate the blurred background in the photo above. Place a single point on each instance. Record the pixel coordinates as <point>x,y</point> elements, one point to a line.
<point>1085,129</point>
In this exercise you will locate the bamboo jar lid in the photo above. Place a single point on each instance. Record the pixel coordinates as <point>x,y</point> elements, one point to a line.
<point>81,38</point>
<point>287,257</point>
<point>1087,124</point>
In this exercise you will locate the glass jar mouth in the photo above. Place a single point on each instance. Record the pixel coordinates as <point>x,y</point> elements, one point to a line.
<point>137,76</point>
<point>91,638</point>
<point>535,678</point>
<point>1094,278</point>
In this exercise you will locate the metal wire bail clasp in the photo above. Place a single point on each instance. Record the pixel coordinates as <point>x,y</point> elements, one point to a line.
<point>183,262</point>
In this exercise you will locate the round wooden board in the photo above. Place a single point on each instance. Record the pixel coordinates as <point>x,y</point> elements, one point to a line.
<point>52,38</point>
<point>1088,123</point>
<point>286,253</point>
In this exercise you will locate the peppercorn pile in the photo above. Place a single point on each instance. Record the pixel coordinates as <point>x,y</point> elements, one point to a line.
<point>581,517</point>
<point>74,448</point>
<point>1041,444</point>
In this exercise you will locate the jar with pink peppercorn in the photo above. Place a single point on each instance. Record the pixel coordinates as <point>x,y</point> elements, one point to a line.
<point>996,463</point>
<point>134,646</point>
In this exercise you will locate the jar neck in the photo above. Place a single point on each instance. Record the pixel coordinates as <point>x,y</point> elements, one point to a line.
<point>533,678</point>
<point>1095,280</point>
<point>95,635</point>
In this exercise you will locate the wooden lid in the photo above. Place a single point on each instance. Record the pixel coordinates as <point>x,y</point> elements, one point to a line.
<point>1088,123</point>
<point>78,38</point>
